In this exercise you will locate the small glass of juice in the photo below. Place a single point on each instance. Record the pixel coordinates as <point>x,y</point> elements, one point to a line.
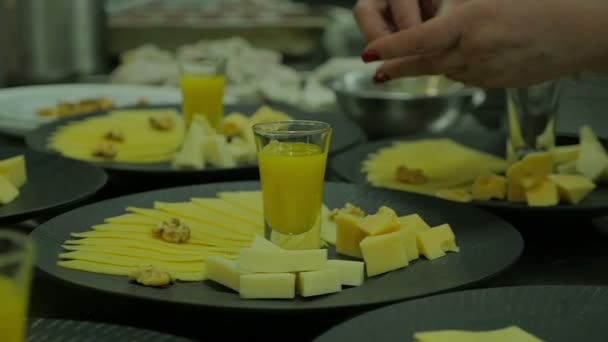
<point>292,156</point>
<point>202,84</point>
<point>16,264</point>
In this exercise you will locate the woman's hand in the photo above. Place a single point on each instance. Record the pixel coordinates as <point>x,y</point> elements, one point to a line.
<point>498,43</point>
<point>379,18</point>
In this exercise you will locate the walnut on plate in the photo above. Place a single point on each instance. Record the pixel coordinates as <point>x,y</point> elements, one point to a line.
<point>173,231</point>
<point>410,176</point>
<point>162,122</point>
<point>150,275</point>
<point>105,150</point>
<point>114,135</point>
<point>348,208</point>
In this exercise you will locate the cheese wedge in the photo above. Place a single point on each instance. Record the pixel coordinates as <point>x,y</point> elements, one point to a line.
<point>223,271</point>
<point>383,253</point>
<point>348,235</point>
<point>384,221</point>
<point>217,151</point>
<point>191,154</point>
<point>15,170</point>
<point>267,286</point>
<point>277,261</point>
<point>489,186</point>
<point>316,283</point>
<point>543,194</point>
<point>572,188</point>
<point>592,160</point>
<point>435,242</point>
<point>8,192</point>
<point>565,154</point>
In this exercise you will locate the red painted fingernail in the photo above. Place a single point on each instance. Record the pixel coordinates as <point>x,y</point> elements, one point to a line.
<point>381,77</point>
<point>370,56</point>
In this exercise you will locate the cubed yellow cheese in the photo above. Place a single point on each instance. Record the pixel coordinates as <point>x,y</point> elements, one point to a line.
<point>516,193</point>
<point>316,283</point>
<point>408,238</point>
<point>383,253</point>
<point>8,192</point>
<point>223,271</point>
<point>277,261</point>
<point>383,221</point>
<point>352,273</point>
<point>542,195</point>
<point>566,153</point>
<point>14,169</point>
<point>509,334</point>
<point>259,242</point>
<point>414,222</point>
<point>531,170</point>
<point>348,235</point>
<point>489,186</point>
<point>572,188</point>
<point>568,168</point>
<point>268,286</point>
<point>456,195</point>
<point>435,242</point>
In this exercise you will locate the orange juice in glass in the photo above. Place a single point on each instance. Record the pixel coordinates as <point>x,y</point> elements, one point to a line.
<point>202,84</point>
<point>292,156</point>
<point>16,263</point>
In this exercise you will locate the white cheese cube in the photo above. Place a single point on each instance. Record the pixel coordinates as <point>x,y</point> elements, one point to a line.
<point>352,273</point>
<point>268,286</point>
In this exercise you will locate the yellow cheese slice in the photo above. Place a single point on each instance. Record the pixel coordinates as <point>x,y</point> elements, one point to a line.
<point>123,260</point>
<point>508,334</point>
<point>134,219</point>
<point>225,208</point>
<point>96,267</point>
<point>152,244</point>
<point>195,212</point>
<point>139,253</point>
<point>249,200</point>
<point>457,165</point>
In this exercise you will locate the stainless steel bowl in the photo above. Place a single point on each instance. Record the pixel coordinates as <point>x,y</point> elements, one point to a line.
<point>404,106</point>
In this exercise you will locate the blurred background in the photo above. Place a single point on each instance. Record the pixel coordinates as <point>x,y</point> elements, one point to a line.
<point>295,53</point>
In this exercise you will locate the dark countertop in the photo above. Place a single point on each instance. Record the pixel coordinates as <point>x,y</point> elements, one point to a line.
<point>573,251</point>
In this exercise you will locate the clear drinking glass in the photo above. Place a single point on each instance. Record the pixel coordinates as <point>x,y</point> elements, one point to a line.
<point>535,109</point>
<point>16,265</point>
<point>292,156</point>
<point>202,83</point>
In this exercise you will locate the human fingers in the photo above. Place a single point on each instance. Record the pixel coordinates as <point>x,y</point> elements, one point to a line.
<point>428,38</point>
<point>405,13</point>
<point>449,62</point>
<point>372,16</point>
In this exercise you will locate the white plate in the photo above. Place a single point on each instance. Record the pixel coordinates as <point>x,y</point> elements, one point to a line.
<point>18,106</point>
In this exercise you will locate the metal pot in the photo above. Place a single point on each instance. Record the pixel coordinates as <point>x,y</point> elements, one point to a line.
<point>55,40</point>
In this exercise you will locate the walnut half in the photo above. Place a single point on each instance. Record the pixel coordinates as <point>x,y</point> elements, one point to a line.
<point>410,176</point>
<point>162,122</point>
<point>150,275</point>
<point>173,231</point>
<point>114,135</point>
<point>105,150</point>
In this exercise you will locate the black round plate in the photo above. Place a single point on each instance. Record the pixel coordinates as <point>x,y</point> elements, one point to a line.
<point>347,166</point>
<point>56,330</point>
<point>53,183</point>
<point>552,313</point>
<point>488,246</point>
<point>344,135</point>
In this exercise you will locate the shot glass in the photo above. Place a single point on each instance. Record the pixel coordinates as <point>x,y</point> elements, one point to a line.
<point>532,113</point>
<point>202,83</point>
<point>16,264</point>
<point>292,157</point>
